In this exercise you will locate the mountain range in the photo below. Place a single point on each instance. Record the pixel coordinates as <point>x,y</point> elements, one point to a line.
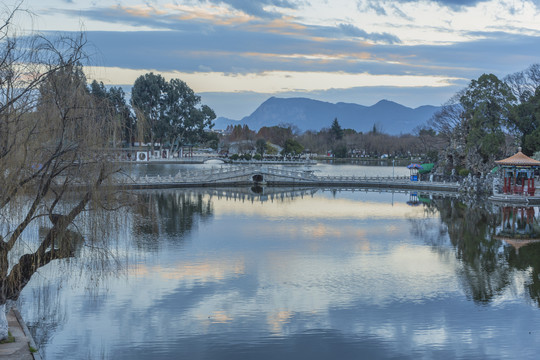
<point>308,114</point>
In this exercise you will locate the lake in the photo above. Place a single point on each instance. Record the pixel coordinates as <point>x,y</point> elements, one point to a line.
<point>303,274</point>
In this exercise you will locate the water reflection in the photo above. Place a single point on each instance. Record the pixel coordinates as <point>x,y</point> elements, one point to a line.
<point>50,313</point>
<point>309,273</point>
<point>519,226</point>
<point>497,246</point>
<point>168,215</point>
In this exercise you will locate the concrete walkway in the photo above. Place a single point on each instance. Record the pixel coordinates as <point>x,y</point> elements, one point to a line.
<point>18,350</point>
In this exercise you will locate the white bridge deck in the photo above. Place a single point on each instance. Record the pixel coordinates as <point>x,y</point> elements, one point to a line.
<point>269,176</point>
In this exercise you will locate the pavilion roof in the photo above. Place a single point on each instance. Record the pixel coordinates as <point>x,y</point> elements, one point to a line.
<point>517,243</point>
<point>519,159</point>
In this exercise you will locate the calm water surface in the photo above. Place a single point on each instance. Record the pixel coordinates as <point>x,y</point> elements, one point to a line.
<point>320,275</point>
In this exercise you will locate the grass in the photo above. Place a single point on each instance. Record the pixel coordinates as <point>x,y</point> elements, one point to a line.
<point>10,339</point>
<point>32,349</point>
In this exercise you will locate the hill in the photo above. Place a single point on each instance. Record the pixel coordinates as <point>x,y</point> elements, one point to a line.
<point>309,114</point>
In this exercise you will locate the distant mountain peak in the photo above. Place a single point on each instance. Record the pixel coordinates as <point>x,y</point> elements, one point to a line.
<point>385,102</point>
<point>310,114</point>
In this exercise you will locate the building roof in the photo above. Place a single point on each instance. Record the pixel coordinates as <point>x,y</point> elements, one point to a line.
<point>517,243</point>
<point>519,159</point>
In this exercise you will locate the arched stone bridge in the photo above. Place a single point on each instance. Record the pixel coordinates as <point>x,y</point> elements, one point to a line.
<point>249,175</point>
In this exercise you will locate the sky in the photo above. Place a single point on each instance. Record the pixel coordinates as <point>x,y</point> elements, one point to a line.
<point>237,53</point>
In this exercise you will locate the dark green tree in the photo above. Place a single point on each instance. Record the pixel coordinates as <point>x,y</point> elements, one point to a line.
<point>526,122</point>
<point>113,103</point>
<point>98,89</point>
<point>172,110</point>
<point>260,145</point>
<point>487,103</point>
<point>340,150</point>
<point>292,148</point>
<point>148,96</point>
<point>336,131</point>
<point>183,121</point>
<point>211,139</point>
<point>122,113</point>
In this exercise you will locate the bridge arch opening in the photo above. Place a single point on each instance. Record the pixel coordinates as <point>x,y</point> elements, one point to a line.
<point>257,178</point>
<point>256,189</point>
<point>214,161</point>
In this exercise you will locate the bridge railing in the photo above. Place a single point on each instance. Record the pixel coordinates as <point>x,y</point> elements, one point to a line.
<point>223,174</point>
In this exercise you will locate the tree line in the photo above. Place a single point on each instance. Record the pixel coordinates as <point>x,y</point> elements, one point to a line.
<point>334,141</point>
<point>488,120</point>
<point>168,113</point>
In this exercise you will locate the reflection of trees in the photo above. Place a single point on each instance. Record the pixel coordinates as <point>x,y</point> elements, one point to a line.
<point>432,231</point>
<point>487,266</point>
<point>49,314</point>
<point>528,258</point>
<point>471,230</point>
<point>171,213</point>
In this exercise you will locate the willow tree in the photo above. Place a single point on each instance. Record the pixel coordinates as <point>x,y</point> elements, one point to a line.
<point>52,161</point>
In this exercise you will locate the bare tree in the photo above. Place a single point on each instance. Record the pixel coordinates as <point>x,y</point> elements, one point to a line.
<point>449,117</point>
<point>524,83</point>
<point>52,161</point>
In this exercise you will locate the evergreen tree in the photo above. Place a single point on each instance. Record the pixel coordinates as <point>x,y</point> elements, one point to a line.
<point>526,122</point>
<point>486,105</point>
<point>335,130</point>
<point>172,110</point>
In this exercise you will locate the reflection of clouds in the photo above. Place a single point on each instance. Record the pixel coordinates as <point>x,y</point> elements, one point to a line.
<point>409,274</point>
<point>362,242</point>
<point>277,320</point>
<point>393,229</point>
<point>210,270</point>
<point>430,337</point>
<point>217,317</point>
<point>320,208</point>
<point>296,286</point>
<point>361,276</point>
<point>515,289</point>
<point>160,281</point>
<point>320,230</point>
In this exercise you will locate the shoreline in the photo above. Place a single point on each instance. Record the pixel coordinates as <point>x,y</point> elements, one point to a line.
<point>20,348</point>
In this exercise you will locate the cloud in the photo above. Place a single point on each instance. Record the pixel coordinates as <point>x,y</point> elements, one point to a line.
<point>220,39</point>
<point>235,51</point>
<point>278,81</point>
<point>351,30</point>
<point>455,3</point>
<point>256,7</point>
<point>387,8</point>
<point>379,7</point>
<point>376,6</point>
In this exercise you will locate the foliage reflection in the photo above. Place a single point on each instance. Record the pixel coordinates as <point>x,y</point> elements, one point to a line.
<point>491,256</point>
<point>173,214</point>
